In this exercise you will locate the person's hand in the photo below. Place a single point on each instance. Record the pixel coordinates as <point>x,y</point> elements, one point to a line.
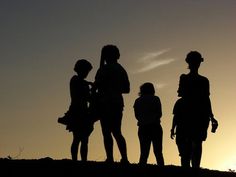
<point>214,124</point>
<point>172,133</point>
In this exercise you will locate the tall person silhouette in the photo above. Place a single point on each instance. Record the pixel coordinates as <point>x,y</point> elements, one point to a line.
<point>111,81</point>
<point>148,112</point>
<point>195,92</point>
<point>77,119</point>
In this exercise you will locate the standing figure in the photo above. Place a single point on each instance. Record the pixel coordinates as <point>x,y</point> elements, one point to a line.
<point>195,92</point>
<point>77,119</point>
<point>179,131</point>
<point>148,112</point>
<point>111,81</point>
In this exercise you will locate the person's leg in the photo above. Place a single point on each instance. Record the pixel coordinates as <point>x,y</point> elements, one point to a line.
<point>84,149</point>
<point>157,135</point>
<point>116,131</point>
<point>186,153</point>
<point>75,146</point>
<point>108,141</point>
<point>184,147</point>
<point>145,144</point>
<point>121,143</point>
<point>196,153</point>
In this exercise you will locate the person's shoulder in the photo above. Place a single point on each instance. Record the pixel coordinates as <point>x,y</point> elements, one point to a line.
<point>183,76</point>
<point>178,104</point>
<point>203,79</point>
<point>74,78</point>
<point>119,64</point>
<point>137,100</point>
<point>156,97</point>
<point>100,72</point>
<point>74,81</point>
<point>107,68</point>
<point>179,101</point>
<point>121,67</point>
<point>153,98</point>
<point>77,79</point>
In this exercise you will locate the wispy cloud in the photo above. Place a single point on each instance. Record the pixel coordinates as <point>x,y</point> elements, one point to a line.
<point>160,85</point>
<point>152,55</point>
<point>154,64</point>
<point>152,60</point>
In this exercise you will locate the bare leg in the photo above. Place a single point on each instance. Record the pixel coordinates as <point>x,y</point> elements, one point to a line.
<point>84,149</point>
<point>196,154</point>
<point>121,145</point>
<point>108,141</point>
<point>74,147</point>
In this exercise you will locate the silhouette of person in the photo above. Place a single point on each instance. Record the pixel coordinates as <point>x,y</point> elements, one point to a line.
<point>79,122</point>
<point>111,81</point>
<point>179,131</point>
<point>195,92</point>
<point>148,112</point>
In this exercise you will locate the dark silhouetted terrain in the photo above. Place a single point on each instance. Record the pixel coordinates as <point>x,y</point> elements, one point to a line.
<point>67,168</point>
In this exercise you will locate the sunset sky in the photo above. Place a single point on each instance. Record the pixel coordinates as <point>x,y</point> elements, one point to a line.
<point>40,41</point>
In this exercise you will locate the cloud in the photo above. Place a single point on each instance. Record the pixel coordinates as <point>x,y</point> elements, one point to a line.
<point>154,64</point>
<point>160,85</point>
<point>152,55</point>
<point>152,60</point>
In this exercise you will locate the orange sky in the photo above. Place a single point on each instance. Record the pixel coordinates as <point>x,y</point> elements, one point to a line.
<point>41,40</point>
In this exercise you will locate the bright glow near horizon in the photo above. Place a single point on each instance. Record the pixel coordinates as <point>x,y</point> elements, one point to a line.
<point>41,41</point>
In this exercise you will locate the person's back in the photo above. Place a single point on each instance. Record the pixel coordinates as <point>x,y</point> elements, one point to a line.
<point>148,112</point>
<point>148,109</point>
<point>112,81</point>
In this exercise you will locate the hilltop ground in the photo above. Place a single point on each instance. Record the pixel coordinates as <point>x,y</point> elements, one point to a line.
<point>67,168</point>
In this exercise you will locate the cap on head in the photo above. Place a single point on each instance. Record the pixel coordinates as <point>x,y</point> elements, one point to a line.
<point>82,64</point>
<point>194,56</point>
<point>110,52</point>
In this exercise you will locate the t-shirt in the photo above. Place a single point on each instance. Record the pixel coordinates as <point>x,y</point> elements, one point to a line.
<point>148,109</point>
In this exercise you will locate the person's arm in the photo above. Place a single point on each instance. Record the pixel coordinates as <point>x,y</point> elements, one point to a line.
<point>176,110</point>
<point>210,108</point>
<point>73,89</point>
<point>172,131</point>
<point>208,99</point>
<point>136,111</point>
<point>159,108</point>
<point>214,122</point>
<point>181,86</point>
<point>126,83</point>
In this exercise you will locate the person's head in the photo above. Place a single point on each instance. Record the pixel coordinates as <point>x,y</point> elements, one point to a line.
<point>83,67</point>
<point>147,89</point>
<point>194,59</point>
<point>110,53</point>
